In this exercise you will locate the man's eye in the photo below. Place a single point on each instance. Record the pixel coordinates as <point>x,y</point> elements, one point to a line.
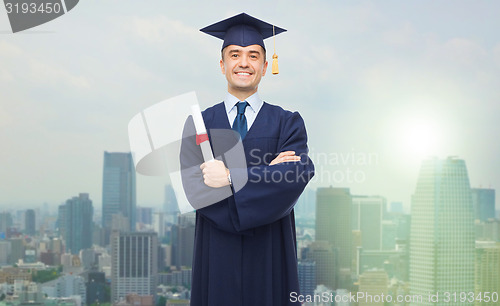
<point>234,55</point>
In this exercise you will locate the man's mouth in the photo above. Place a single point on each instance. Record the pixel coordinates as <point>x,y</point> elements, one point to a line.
<point>243,73</point>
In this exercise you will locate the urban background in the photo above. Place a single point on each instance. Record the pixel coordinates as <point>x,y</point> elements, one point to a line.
<point>400,101</point>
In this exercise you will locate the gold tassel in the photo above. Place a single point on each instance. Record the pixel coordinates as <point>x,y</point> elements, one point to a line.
<point>275,69</point>
<point>275,64</point>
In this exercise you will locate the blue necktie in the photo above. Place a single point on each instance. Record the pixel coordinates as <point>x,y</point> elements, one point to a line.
<point>240,122</point>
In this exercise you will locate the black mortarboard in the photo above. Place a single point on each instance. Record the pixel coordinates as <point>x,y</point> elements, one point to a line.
<point>242,30</point>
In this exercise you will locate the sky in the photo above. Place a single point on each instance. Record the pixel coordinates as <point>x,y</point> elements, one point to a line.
<point>381,85</point>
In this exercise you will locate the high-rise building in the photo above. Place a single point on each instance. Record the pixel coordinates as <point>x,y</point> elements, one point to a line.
<point>183,240</point>
<point>77,226</point>
<point>170,205</point>
<point>487,268</point>
<point>403,222</point>
<point>374,284</point>
<point>483,201</point>
<point>4,252</point>
<point>61,221</point>
<point>88,258</point>
<point>96,288</point>
<point>323,254</point>
<point>367,215</point>
<point>355,252</point>
<point>65,286</point>
<point>118,188</point>
<point>17,249</point>
<point>389,234</point>
<point>488,230</point>
<point>396,207</point>
<point>105,264</point>
<point>442,231</point>
<point>133,264</point>
<point>29,222</point>
<point>306,204</point>
<point>145,215</point>
<point>170,208</point>
<point>5,221</point>
<point>333,222</point>
<point>120,223</point>
<point>307,276</point>
<point>159,224</point>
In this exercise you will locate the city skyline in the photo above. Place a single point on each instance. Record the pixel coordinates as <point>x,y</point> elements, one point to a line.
<point>446,232</point>
<point>442,231</point>
<point>118,189</point>
<point>395,81</point>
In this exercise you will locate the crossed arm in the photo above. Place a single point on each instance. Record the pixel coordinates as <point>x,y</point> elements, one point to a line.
<point>215,173</point>
<point>260,198</point>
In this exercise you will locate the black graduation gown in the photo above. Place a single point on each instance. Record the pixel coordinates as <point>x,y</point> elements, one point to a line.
<point>245,245</point>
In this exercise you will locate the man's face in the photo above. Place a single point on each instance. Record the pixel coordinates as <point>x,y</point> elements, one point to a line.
<point>243,67</point>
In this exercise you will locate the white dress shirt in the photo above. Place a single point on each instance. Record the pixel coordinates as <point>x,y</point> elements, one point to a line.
<point>251,111</point>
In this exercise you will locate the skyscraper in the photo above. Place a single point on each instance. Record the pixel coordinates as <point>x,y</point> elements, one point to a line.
<point>96,287</point>
<point>144,215</point>
<point>324,255</point>
<point>307,276</point>
<point>65,286</point>
<point>333,221</point>
<point>77,228</point>
<point>483,201</point>
<point>333,224</point>
<point>5,222</point>
<point>170,208</point>
<point>4,252</point>
<point>118,188</point>
<point>133,264</point>
<point>306,204</point>
<point>17,249</point>
<point>487,268</point>
<point>442,231</point>
<point>30,222</point>
<point>367,215</point>
<point>373,284</point>
<point>183,240</point>
<point>61,221</point>
<point>170,205</point>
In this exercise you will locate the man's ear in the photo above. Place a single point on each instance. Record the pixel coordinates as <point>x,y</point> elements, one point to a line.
<point>264,69</point>
<point>222,67</point>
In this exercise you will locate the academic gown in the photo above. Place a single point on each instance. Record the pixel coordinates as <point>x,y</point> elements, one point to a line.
<point>245,245</point>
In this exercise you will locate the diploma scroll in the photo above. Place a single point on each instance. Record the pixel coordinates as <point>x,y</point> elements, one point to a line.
<point>201,133</point>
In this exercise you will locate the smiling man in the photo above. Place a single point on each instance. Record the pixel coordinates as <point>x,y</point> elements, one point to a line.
<point>245,245</point>
<point>244,68</point>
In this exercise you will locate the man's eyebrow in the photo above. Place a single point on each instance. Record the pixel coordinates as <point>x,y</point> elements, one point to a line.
<point>234,50</point>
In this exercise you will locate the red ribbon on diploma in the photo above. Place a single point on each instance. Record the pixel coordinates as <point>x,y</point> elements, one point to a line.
<point>201,138</point>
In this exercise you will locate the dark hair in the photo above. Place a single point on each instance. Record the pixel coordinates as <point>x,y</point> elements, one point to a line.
<point>222,54</point>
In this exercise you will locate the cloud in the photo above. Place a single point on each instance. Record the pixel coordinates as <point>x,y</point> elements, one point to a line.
<point>159,29</point>
<point>36,68</point>
<point>403,36</point>
<point>496,54</point>
<point>462,51</point>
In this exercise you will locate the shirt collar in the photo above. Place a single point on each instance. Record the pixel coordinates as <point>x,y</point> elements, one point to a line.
<point>254,101</point>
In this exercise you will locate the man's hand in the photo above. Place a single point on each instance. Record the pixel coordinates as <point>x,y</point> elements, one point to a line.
<point>287,156</point>
<point>215,174</point>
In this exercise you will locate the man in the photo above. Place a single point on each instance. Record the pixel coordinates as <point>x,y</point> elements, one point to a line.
<point>245,245</point>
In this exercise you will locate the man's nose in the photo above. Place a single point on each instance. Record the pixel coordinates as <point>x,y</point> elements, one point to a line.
<point>243,61</point>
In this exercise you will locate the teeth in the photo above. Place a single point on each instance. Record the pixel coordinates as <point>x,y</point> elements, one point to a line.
<point>243,73</point>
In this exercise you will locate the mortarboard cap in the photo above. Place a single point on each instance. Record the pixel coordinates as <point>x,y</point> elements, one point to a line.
<point>242,30</point>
